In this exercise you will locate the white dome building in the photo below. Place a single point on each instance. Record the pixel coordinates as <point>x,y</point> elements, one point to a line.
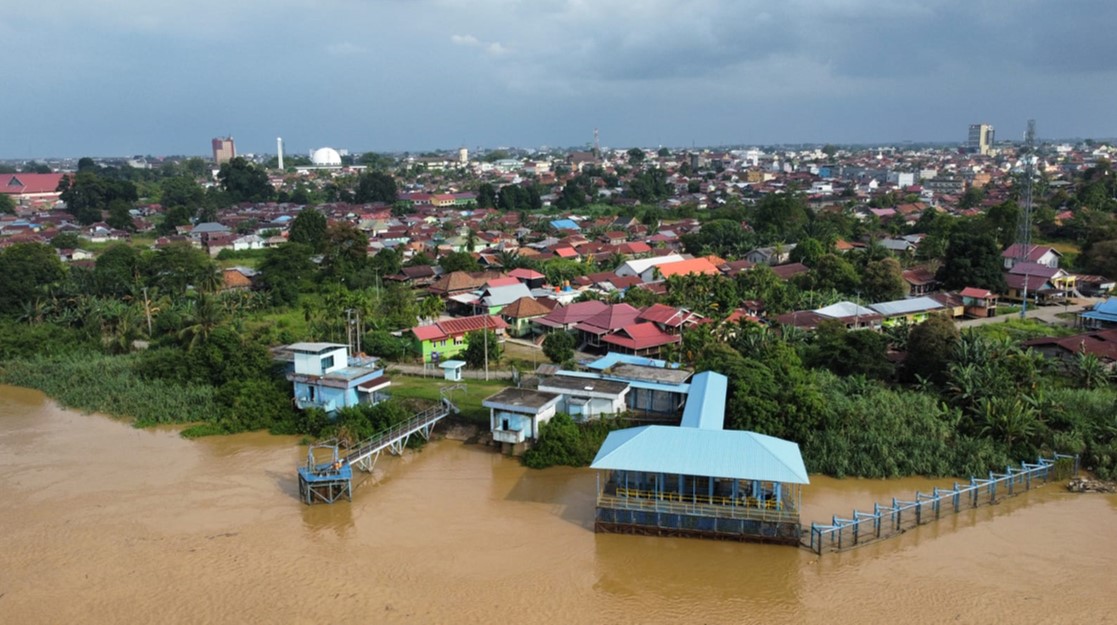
<point>326,157</point>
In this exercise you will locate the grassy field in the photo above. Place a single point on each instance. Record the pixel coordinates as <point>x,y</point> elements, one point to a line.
<point>469,400</point>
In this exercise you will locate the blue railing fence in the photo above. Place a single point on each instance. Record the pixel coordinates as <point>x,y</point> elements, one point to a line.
<point>898,516</point>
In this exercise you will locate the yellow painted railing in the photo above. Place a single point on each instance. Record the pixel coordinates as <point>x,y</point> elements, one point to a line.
<point>702,506</point>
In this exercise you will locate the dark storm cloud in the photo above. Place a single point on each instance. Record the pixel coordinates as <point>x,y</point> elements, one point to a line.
<point>143,77</point>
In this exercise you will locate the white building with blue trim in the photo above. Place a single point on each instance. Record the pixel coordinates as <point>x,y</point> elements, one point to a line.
<point>325,376</point>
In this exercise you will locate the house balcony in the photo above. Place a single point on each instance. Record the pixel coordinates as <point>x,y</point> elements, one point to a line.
<point>305,402</point>
<point>508,436</point>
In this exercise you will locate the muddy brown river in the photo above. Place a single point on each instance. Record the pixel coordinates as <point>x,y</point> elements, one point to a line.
<point>104,523</point>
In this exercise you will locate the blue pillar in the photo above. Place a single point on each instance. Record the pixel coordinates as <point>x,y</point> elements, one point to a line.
<point>776,493</point>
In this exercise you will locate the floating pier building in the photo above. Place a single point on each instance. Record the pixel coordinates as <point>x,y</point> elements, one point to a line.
<point>699,479</point>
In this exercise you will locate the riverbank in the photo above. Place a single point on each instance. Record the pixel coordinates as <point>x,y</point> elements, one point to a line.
<point>116,524</point>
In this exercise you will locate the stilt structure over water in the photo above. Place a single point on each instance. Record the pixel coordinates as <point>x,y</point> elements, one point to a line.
<point>887,520</point>
<point>327,477</point>
<point>699,479</point>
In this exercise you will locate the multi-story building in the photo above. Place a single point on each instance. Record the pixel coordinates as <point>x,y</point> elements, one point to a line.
<point>223,150</point>
<point>981,138</point>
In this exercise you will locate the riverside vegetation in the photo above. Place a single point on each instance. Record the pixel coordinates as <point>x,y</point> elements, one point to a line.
<point>152,335</point>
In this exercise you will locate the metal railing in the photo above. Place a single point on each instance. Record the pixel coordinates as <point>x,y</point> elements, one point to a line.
<point>383,439</point>
<point>886,521</point>
<point>696,509</point>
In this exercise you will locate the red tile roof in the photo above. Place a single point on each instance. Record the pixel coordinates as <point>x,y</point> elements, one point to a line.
<point>640,336</point>
<point>523,273</point>
<point>975,292</point>
<point>611,319</point>
<point>574,313</point>
<point>16,184</point>
<point>457,327</point>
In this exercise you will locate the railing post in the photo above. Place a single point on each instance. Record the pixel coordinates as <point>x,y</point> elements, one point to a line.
<point>956,497</point>
<point>897,515</point>
<point>1011,479</point>
<point>876,518</point>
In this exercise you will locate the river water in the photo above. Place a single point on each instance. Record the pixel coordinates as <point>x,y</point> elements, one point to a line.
<point>104,523</point>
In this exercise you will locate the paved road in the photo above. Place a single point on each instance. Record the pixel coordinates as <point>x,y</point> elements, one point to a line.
<point>1048,314</point>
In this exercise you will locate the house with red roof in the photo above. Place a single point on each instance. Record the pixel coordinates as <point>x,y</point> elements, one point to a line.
<point>30,189</point>
<point>978,303</point>
<point>566,317</point>
<point>670,319</point>
<point>611,319</point>
<point>639,339</point>
<point>445,339</point>
<point>1101,343</point>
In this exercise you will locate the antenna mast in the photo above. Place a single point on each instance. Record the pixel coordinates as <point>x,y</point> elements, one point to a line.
<point>1024,236</point>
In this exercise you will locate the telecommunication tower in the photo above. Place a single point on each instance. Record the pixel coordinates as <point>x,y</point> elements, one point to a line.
<point>1024,235</point>
<point>596,144</point>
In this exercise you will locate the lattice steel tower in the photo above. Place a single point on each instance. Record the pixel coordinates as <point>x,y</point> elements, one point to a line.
<point>1024,234</point>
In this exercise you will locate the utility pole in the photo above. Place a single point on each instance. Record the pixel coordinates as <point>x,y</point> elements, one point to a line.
<point>147,312</point>
<point>486,331</point>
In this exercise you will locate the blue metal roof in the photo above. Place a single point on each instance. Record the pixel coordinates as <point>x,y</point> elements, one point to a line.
<point>731,454</point>
<point>1103,311</point>
<point>651,386</point>
<point>613,358</point>
<point>705,404</point>
<point>565,224</point>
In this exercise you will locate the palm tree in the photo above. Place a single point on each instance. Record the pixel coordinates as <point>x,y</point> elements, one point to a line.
<point>1090,372</point>
<point>431,307</point>
<point>207,316</point>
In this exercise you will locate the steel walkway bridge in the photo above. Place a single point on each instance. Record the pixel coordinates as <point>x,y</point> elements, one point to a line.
<point>331,481</point>
<point>364,454</point>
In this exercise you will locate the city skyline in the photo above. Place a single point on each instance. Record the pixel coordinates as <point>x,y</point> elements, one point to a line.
<point>391,76</point>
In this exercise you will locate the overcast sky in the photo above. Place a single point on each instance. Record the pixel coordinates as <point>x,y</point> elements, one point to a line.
<point>165,76</point>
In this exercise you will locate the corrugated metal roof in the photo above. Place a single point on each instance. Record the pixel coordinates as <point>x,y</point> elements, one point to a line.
<point>906,306</point>
<point>842,310</point>
<point>729,454</point>
<point>705,405</point>
<point>612,358</point>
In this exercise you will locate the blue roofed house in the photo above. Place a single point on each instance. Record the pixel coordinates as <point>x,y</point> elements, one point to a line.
<point>699,479</point>
<point>566,224</point>
<point>1102,316</point>
<point>325,376</point>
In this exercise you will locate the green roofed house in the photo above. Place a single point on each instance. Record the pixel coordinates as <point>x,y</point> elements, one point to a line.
<point>699,479</point>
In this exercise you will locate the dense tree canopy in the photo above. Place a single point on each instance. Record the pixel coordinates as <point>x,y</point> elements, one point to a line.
<point>244,182</point>
<point>27,270</point>
<point>309,229</point>
<point>376,186</point>
<point>972,259</point>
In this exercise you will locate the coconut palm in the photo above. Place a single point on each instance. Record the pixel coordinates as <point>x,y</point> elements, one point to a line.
<point>206,316</point>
